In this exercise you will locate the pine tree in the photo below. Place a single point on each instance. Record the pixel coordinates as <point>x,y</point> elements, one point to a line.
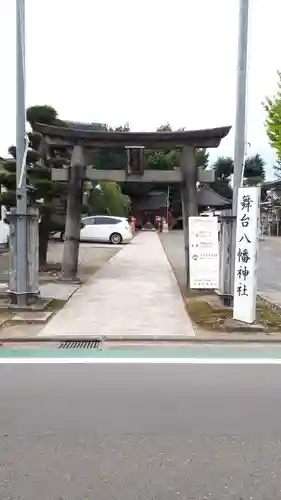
<point>48,196</point>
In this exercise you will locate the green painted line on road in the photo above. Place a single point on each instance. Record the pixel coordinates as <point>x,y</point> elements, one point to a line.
<point>218,352</point>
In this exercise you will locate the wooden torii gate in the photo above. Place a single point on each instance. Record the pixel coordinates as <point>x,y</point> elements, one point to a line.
<point>79,142</point>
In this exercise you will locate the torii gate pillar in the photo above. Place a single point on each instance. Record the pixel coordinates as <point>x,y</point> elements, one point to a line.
<point>188,197</point>
<point>73,215</point>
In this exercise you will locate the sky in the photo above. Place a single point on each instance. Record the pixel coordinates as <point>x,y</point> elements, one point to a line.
<point>145,62</point>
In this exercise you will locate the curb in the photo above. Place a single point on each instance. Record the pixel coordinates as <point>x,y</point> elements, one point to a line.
<point>150,339</point>
<point>191,340</point>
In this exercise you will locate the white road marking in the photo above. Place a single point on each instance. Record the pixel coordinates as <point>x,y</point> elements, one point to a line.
<point>171,361</point>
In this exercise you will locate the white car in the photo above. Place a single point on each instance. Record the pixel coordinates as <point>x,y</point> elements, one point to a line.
<point>4,234</point>
<point>106,228</point>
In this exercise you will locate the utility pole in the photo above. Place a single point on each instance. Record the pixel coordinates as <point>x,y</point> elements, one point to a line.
<point>240,122</point>
<point>241,98</point>
<point>21,148</point>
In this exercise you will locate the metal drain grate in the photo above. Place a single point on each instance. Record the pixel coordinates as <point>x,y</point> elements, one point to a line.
<point>80,344</point>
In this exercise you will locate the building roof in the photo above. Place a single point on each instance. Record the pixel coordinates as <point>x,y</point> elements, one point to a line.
<point>271,184</point>
<point>274,187</point>
<point>207,197</point>
<point>152,201</point>
<point>85,126</point>
<point>158,140</point>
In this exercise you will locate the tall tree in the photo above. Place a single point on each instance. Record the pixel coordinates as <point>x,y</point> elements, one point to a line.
<point>223,168</point>
<point>254,172</point>
<point>277,169</point>
<point>167,160</point>
<point>42,192</point>
<point>110,158</point>
<point>107,198</point>
<point>272,106</point>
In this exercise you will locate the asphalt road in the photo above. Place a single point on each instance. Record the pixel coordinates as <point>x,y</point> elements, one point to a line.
<point>269,273</point>
<point>269,268</point>
<point>135,432</point>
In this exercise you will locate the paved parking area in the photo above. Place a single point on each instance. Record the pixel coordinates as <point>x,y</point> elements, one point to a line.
<point>90,255</point>
<point>88,252</point>
<point>269,263</point>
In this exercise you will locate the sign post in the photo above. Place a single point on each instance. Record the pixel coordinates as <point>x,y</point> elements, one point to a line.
<point>247,237</point>
<point>203,252</point>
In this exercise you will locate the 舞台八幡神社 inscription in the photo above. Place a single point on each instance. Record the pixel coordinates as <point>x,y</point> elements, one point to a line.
<point>248,214</point>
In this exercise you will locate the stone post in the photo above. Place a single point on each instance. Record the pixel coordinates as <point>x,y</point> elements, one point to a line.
<point>226,230</point>
<point>32,286</point>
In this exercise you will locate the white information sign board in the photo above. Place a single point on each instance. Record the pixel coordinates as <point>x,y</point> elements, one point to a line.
<point>247,237</point>
<point>203,252</point>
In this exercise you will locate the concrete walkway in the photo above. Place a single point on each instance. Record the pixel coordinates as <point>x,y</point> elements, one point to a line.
<point>135,293</point>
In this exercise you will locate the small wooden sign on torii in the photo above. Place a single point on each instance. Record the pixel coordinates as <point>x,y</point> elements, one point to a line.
<point>135,160</point>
